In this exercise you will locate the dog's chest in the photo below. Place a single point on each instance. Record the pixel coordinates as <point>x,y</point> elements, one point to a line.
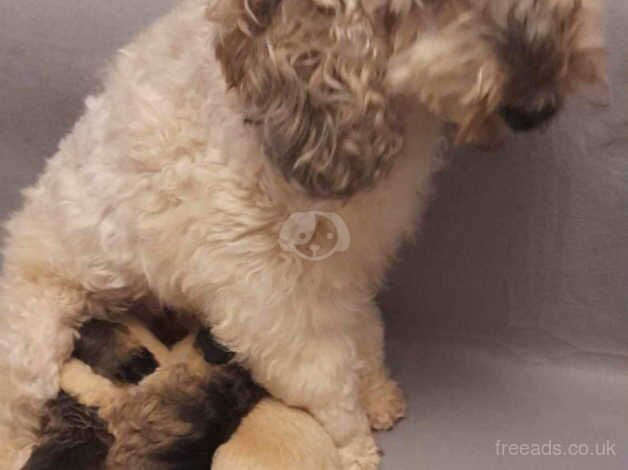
<point>380,219</point>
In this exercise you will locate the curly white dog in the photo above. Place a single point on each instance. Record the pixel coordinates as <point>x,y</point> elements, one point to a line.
<point>225,119</point>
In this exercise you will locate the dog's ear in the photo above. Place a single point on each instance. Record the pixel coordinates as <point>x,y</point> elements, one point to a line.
<point>312,80</point>
<point>455,73</point>
<point>587,61</point>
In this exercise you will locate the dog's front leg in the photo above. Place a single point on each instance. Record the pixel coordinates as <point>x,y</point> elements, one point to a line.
<point>381,396</point>
<point>322,378</point>
<point>312,368</point>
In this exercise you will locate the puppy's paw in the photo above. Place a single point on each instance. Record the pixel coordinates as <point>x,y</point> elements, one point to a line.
<point>361,453</point>
<point>384,404</point>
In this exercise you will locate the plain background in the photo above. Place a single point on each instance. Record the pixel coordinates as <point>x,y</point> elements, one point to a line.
<point>508,320</point>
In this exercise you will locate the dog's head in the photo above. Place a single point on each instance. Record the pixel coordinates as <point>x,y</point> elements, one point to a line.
<point>483,64</point>
<point>321,78</point>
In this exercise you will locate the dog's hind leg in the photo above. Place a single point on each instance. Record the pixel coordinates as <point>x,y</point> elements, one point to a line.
<point>38,317</point>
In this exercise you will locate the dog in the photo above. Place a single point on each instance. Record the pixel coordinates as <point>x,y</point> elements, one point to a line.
<point>223,120</point>
<point>152,392</point>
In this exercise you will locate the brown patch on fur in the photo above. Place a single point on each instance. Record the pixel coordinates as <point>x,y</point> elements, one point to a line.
<point>313,81</point>
<point>541,46</point>
<point>534,59</point>
<point>178,419</point>
<point>165,324</point>
<point>212,351</point>
<point>74,437</point>
<point>111,351</point>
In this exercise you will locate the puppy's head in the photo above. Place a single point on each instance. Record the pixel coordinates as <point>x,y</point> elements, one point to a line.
<point>484,64</point>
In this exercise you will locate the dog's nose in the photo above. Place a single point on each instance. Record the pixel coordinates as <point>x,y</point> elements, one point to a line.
<point>521,120</point>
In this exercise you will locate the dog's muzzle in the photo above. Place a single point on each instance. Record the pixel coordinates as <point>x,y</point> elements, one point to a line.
<point>520,120</point>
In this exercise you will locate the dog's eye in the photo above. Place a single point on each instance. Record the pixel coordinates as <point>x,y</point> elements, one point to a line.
<point>522,120</point>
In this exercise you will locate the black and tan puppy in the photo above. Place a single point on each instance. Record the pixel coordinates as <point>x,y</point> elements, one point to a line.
<point>133,401</point>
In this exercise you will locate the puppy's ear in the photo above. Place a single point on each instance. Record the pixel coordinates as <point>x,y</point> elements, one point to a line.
<point>312,79</point>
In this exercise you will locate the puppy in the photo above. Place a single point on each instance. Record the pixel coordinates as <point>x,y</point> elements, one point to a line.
<point>226,118</point>
<point>174,414</point>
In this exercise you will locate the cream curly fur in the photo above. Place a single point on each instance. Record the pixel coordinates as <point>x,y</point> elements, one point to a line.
<point>164,185</point>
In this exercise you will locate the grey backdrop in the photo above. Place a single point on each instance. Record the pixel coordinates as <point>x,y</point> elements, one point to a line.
<point>507,321</point>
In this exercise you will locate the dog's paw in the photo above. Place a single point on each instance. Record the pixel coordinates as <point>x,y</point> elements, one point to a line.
<point>384,404</point>
<point>361,453</point>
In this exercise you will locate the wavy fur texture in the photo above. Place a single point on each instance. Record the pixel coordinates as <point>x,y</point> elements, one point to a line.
<point>313,79</point>
<point>210,133</point>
